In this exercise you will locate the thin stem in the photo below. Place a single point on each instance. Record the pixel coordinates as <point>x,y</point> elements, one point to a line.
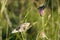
<point>43,23</point>
<point>3,2</point>
<point>7,18</point>
<point>23,36</point>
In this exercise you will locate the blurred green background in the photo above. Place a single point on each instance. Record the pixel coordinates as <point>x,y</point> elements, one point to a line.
<point>15,12</point>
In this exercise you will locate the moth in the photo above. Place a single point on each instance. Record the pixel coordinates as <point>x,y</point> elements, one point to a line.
<point>21,28</point>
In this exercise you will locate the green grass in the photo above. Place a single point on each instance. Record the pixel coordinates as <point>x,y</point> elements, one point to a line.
<point>15,12</point>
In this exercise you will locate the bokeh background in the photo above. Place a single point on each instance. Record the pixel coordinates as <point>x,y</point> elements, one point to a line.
<point>15,12</point>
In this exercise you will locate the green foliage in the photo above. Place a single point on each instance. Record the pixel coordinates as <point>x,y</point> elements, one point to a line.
<point>15,12</point>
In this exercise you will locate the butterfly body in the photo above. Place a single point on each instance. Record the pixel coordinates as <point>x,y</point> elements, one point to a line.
<point>42,7</point>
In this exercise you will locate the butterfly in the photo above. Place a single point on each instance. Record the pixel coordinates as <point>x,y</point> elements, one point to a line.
<point>41,9</point>
<point>21,28</point>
